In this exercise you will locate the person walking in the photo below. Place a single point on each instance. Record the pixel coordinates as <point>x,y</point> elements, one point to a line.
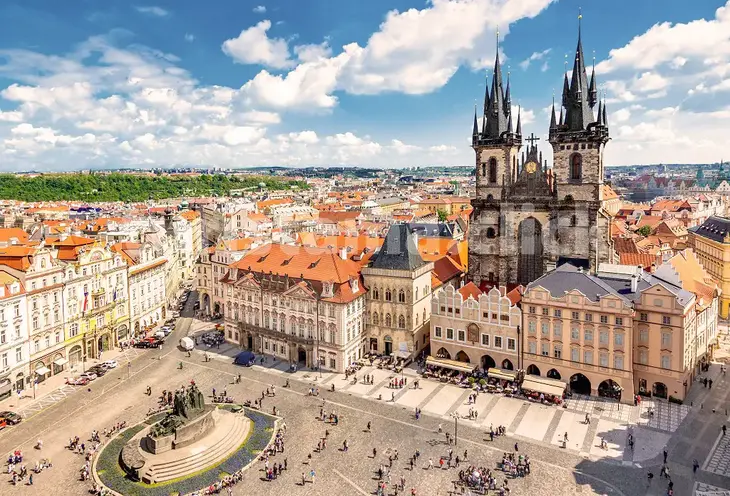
<point>665,454</point>
<point>695,465</point>
<point>430,463</point>
<point>368,429</point>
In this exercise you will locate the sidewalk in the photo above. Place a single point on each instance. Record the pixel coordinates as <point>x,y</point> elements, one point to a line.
<point>55,389</point>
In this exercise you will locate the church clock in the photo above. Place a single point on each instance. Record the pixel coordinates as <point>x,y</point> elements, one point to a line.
<point>531,167</point>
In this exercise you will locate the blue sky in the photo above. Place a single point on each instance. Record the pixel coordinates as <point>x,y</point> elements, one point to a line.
<point>238,83</point>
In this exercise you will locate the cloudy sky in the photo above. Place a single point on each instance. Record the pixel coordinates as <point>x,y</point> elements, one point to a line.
<point>236,83</point>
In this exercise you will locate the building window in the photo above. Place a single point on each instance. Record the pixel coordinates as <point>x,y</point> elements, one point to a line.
<point>603,359</point>
<point>557,351</point>
<point>532,347</point>
<point>401,296</point>
<point>460,335</point>
<point>437,331</point>
<point>666,320</point>
<point>588,357</point>
<point>643,335</point>
<point>618,362</point>
<point>545,329</point>
<point>588,336</point>
<point>388,296</point>
<point>575,333</point>
<point>557,313</point>
<point>498,341</point>
<point>388,320</point>
<point>619,321</point>
<point>545,349</point>
<point>574,315</point>
<point>557,330</point>
<point>666,362</point>
<point>485,339</point>
<point>576,167</point>
<point>575,354</point>
<point>618,339</point>
<point>449,333</point>
<point>492,170</point>
<point>666,340</point>
<point>545,311</point>
<point>603,337</point>
<point>604,319</point>
<point>643,317</point>
<point>402,322</point>
<point>588,317</point>
<point>376,294</point>
<point>18,355</point>
<point>643,357</point>
<point>533,310</point>
<point>511,344</point>
<point>532,327</point>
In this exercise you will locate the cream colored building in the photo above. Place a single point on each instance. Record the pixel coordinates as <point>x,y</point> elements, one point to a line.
<point>301,305</point>
<point>41,273</point>
<point>478,328</point>
<point>399,296</point>
<point>711,243</point>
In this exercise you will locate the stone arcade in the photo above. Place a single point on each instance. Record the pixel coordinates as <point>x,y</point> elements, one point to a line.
<point>551,215</point>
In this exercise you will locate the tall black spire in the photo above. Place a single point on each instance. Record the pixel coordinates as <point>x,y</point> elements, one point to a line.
<point>496,104</point>
<point>592,92</point>
<point>600,112</point>
<point>519,121</point>
<point>475,130</point>
<point>578,113</point>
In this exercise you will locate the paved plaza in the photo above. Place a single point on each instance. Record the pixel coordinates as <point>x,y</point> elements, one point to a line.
<point>579,466</point>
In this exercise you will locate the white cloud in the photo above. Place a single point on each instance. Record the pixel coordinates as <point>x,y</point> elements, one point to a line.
<point>258,117</point>
<point>189,37</point>
<point>650,82</point>
<point>153,10</point>
<point>259,9</point>
<point>536,56</point>
<point>621,115</point>
<point>312,53</point>
<point>253,46</point>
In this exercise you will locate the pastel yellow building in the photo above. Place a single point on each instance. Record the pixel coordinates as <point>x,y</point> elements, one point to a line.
<point>711,243</point>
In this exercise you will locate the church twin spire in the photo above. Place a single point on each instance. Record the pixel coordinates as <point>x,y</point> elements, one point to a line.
<point>497,124</point>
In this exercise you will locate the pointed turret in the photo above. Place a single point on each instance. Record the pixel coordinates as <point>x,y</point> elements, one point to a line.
<point>553,126</point>
<point>519,121</point>
<point>475,129</point>
<point>578,113</point>
<point>600,113</point>
<point>605,119</point>
<point>508,98</point>
<point>509,124</point>
<point>592,92</point>
<point>496,108</point>
<point>560,119</point>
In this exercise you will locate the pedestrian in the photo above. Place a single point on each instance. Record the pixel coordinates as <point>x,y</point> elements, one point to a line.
<point>311,475</point>
<point>465,455</point>
<point>588,419</point>
<point>695,465</point>
<point>304,478</point>
<point>724,429</point>
<point>30,480</point>
<point>710,383</point>
<point>375,452</point>
<point>440,428</point>
<point>665,455</point>
<point>517,448</point>
<point>368,426</point>
<point>430,463</point>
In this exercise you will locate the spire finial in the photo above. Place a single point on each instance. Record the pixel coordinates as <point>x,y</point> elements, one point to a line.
<point>565,63</point>
<point>580,17</point>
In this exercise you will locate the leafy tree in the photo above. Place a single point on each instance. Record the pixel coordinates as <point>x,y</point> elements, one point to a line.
<point>644,231</point>
<point>129,187</point>
<point>443,214</point>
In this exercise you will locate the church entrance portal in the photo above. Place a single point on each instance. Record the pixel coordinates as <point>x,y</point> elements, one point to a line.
<point>529,265</point>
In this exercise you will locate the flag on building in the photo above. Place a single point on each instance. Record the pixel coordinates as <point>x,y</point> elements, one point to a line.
<point>86,301</point>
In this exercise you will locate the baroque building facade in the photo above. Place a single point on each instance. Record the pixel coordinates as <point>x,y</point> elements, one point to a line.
<point>551,215</point>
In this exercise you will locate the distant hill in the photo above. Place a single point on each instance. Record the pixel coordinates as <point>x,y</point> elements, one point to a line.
<point>130,187</point>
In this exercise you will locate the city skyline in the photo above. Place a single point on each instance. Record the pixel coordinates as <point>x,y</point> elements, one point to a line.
<point>171,84</point>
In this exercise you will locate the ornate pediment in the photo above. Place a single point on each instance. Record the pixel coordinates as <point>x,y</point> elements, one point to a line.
<point>300,291</point>
<point>248,282</point>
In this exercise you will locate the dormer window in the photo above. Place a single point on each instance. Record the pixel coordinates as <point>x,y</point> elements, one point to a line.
<point>327,289</point>
<point>354,285</point>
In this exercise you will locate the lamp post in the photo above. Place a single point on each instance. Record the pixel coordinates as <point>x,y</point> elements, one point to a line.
<point>456,427</point>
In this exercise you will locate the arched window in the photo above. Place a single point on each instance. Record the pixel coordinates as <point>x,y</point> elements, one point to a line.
<point>388,296</point>
<point>402,322</point>
<point>388,320</point>
<point>492,170</point>
<point>376,294</point>
<point>401,296</point>
<point>576,166</point>
<point>376,319</point>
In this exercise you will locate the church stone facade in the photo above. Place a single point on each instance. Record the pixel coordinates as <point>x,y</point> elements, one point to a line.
<point>527,218</point>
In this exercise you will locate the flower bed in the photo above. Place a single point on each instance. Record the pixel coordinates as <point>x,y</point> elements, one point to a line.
<point>110,473</point>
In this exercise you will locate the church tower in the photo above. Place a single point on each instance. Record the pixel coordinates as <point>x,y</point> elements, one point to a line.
<point>578,138</point>
<point>498,142</point>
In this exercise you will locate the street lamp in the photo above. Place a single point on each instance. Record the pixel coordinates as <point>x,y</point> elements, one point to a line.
<point>456,427</point>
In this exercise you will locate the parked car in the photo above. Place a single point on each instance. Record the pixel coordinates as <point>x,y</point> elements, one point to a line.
<point>11,418</point>
<point>141,344</point>
<point>110,364</point>
<point>3,424</point>
<point>99,370</point>
<point>89,375</point>
<point>77,381</point>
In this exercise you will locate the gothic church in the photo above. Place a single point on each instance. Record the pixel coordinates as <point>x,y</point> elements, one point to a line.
<point>529,218</point>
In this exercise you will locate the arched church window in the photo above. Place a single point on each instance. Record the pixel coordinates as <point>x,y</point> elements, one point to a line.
<point>490,232</point>
<point>388,320</point>
<point>576,166</point>
<point>484,169</point>
<point>492,170</point>
<point>402,322</point>
<point>388,296</point>
<point>376,320</point>
<point>401,296</point>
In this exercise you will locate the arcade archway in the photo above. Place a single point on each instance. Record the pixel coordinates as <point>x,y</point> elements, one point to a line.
<point>579,384</point>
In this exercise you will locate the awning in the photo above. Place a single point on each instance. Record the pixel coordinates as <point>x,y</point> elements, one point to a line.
<point>42,371</point>
<point>60,362</point>
<point>544,385</point>
<point>450,364</point>
<point>505,375</point>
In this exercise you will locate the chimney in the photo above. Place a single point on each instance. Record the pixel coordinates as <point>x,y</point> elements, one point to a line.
<point>634,283</point>
<point>343,253</point>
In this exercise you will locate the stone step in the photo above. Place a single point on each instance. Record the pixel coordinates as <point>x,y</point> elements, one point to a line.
<point>162,472</point>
